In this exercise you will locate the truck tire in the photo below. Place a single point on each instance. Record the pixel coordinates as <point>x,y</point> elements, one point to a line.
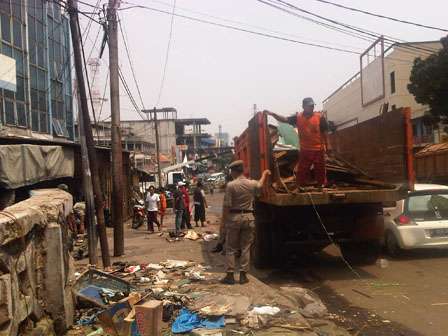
<point>261,252</point>
<point>391,245</point>
<point>361,253</point>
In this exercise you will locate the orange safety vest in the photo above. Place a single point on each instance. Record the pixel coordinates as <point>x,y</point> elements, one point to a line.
<point>309,132</point>
<point>162,202</point>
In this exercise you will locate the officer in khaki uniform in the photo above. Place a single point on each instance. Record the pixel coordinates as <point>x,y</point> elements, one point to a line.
<point>238,219</point>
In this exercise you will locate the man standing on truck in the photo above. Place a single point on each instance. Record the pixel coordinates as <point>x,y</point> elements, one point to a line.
<point>238,218</point>
<point>312,128</point>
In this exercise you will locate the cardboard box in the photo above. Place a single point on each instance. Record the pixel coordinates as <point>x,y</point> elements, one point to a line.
<point>149,318</point>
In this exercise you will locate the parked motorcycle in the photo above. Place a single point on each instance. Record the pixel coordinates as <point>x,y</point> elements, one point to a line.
<point>139,214</point>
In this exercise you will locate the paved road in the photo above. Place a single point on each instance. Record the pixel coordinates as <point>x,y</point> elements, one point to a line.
<point>408,297</point>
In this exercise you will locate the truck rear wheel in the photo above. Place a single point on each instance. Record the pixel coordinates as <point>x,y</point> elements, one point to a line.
<point>361,253</point>
<point>261,252</point>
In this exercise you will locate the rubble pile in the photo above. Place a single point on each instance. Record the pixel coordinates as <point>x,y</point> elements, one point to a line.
<point>184,297</point>
<point>340,173</point>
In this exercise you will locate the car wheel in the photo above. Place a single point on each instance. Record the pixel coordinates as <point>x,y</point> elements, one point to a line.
<point>392,247</point>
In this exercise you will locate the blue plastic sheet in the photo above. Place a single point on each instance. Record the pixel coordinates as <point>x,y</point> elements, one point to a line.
<point>187,321</point>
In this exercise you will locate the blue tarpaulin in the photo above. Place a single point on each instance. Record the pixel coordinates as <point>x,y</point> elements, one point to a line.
<point>187,321</point>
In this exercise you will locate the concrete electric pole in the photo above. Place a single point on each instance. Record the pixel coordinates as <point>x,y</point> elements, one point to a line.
<point>117,168</point>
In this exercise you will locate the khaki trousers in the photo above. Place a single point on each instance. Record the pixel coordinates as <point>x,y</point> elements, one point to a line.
<point>239,236</point>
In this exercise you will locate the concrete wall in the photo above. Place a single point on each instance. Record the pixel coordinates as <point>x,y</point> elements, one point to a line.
<point>36,271</point>
<point>345,104</point>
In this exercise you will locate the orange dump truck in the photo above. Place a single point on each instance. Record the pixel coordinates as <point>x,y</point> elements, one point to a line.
<point>373,166</point>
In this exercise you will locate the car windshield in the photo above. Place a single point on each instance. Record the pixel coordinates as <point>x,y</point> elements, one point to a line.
<point>430,206</point>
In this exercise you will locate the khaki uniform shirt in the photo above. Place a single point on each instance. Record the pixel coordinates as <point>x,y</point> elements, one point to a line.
<point>240,194</point>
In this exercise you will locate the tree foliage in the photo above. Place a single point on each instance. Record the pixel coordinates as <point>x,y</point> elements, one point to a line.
<point>429,81</point>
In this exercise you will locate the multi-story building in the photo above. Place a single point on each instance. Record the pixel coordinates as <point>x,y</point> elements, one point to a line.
<point>346,105</point>
<point>191,138</point>
<point>222,139</point>
<point>141,134</point>
<point>35,33</point>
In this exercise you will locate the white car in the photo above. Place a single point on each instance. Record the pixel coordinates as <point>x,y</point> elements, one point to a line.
<point>419,221</point>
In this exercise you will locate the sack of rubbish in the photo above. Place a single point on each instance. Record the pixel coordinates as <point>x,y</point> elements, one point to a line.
<point>308,303</point>
<point>265,310</point>
<point>169,264</point>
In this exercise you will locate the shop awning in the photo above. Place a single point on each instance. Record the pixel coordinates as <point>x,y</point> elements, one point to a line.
<point>23,165</point>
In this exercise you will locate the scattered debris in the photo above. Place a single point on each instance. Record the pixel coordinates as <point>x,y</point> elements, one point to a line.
<point>382,263</point>
<point>217,304</point>
<point>99,331</point>
<point>308,303</point>
<point>133,269</point>
<point>362,293</point>
<point>100,289</point>
<point>210,236</point>
<point>192,235</point>
<point>188,321</point>
<point>265,310</point>
<point>136,299</point>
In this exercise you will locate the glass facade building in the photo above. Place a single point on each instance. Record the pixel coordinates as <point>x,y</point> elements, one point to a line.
<point>36,34</point>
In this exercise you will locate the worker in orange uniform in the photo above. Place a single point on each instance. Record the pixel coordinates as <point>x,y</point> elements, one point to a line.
<point>163,205</point>
<point>312,128</point>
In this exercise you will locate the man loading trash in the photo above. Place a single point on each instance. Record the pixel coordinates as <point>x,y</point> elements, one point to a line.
<point>312,128</point>
<point>238,217</point>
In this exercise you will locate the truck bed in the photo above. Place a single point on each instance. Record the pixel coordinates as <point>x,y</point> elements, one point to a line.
<point>367,155</point>
<point>333,196</point>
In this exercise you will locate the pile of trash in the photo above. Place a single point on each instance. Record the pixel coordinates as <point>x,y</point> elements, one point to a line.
<point>176,297</point>
<point>172,236</point>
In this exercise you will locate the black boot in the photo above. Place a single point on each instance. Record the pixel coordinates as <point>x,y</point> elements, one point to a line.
<point>217,248</point>
<point>243,278</point>
<point>228,279</point>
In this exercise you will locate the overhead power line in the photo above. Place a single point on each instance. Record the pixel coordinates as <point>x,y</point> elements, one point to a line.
<point>130,62</point>
<point>382,16</point>
<point>272,31</point>
<point>243,29</point>
<point>348,29</point>
<point>366,32</point>
<point>167,54</point>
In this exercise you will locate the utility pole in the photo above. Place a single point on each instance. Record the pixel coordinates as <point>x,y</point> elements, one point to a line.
<point>87,137</point>
<point>156,128</point>
<point>117,167</point>
<point>219,136</point>
<point>88,194</point>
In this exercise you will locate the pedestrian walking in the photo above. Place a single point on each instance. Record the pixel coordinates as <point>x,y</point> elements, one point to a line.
<point>163,205</point>
<point>152,208</point>
<point>200,204</point>
<point>186,221</point>
<point>238,216</point>
<point>178,207</point>
<point>312,128</point>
